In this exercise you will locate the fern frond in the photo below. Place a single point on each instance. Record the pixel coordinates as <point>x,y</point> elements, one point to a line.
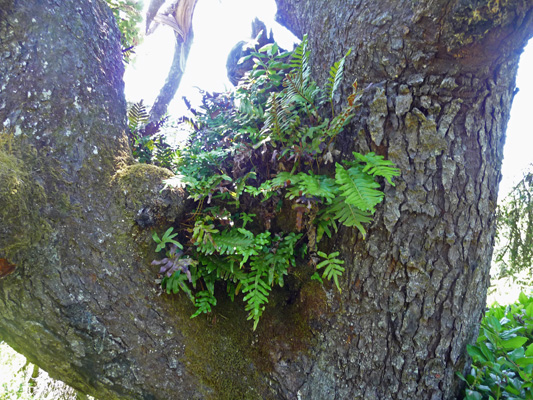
<point>335,78</point>
<point>332,267</point>
<point>202,236</point>
<point>137,115</point>
<point>233,242</point>
<point>300,56</point>
<point>281,119</point>
<point>203,302</point>
<point>280,258</point>
<point>349,215</point>
<point>324,221</point>
<point>338,123</point>
<point>299,87</point>
<point>377,166</point>
<point>283,179</point>
<point>257,292</point>
<point>175,282</point>
<point>313,186</point>
<point>359,188</point>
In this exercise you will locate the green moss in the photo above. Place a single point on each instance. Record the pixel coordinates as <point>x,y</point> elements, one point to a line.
<point>136,182</point>
<point>231,359</point>
<point>21,198</point>
<point>220,351</point>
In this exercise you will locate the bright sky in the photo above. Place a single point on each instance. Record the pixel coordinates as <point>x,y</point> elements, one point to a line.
<point>220,24</point>
<point>518,150</point>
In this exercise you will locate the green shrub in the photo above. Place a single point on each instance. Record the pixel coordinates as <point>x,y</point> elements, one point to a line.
<point>502,366</point>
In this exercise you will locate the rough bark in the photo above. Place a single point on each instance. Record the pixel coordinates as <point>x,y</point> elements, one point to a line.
<point>82,302</point>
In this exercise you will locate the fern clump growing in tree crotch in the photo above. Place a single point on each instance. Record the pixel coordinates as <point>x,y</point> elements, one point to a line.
<point>255,160</point>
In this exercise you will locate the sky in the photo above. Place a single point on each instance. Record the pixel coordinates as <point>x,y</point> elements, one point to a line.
<point>219,24</point>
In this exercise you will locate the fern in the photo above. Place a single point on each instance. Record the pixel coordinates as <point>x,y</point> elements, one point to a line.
<point>335,78</point>
<point>238,161</point>
<point>232,242</point>
<point>280,258</point>
<point>378,166</point>
<point>332,267</point>
<point>348,215</point>
<point>137,115</point>
<point>359,189</point>
<point>256,292</point>
<point>323,224</point>
<point>299,87</point>
<point>281,119</point>
<point>202,235</point>
<point>299,61</point>
<point>203,301</point>
<point>175,282</point>
<point>313,186</point>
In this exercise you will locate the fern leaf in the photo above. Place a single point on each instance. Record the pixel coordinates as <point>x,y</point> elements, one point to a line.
<point>359,188</point>
<point>280,257</point>
<point>335,78</point>
<point>313,185</point>
<point>232,242</point>
<point>283,179</point>
<point>281,119</point>
<point>137,115</point>
<point>299,88</point>
<point>203,302</point>
<point>323,223</point>
<point>349,215</point>
<point>300,55</point>
<point>377,166</point>
<point>257,292</point>
<point>340,121</point>
<point>332,265</point>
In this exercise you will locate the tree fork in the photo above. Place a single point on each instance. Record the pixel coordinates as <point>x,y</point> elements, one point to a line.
<point>82,303</point>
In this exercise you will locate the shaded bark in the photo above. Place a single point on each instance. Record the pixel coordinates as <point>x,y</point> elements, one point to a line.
<point>82,302</point>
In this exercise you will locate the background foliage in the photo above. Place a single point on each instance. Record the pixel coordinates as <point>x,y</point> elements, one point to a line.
<point>502,357</point>
<point>513,254</point>
<point>128,14</point>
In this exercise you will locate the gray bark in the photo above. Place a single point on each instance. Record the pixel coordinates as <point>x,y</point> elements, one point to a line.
<point>82,302</point>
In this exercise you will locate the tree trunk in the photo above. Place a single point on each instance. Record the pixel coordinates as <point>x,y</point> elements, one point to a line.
<point>77,214</point>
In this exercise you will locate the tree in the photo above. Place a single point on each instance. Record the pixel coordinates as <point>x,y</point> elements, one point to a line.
<point>78,297</point>
<point>514,233</point>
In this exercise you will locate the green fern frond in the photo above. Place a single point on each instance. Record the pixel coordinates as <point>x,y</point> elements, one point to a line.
<point>203,302</point>
<point>283,179</point>
<point>232,242</point>
<point>359,188</point>
<point>300,56</point>
<point>281,119</point>
<point>137,115</point>
<point>272,125</point>
<point>175,282</point>
<point>313,186</point>
<point>325,222</point>
<point>332,267</point>
<point>338,123</point>
<point>335,78</point>
<point>377,166</point>
<point>349,215</point>
<point>280,258</point>
<point>256,295</point>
